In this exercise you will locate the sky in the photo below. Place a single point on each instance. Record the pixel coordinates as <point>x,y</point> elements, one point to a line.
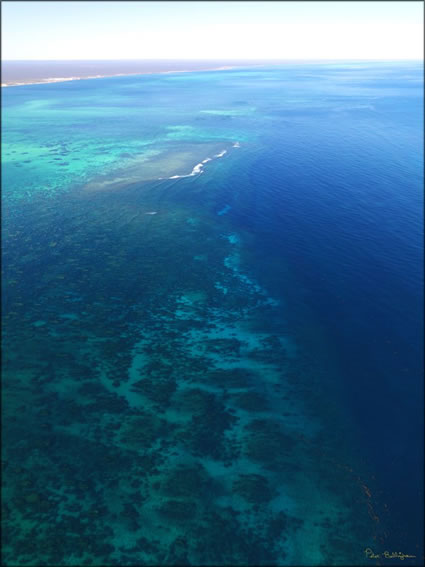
<point>212,30</point>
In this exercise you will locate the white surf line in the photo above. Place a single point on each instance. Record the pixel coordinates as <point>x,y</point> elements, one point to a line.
<point>198,167</point>
<point>196,170</point>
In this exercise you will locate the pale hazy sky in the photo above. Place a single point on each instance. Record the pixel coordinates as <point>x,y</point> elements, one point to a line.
<point>212,30</point>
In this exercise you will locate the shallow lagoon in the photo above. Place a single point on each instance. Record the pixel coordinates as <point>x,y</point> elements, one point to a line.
<point>173,393</point>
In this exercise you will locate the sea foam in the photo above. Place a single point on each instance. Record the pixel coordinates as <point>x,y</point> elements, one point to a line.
<point>198,167</point>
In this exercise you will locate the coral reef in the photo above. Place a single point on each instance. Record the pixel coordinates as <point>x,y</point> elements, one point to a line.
<point>158,390</point>
<point>137,390</point>
<point>143,431</point>
<point>178,510</point>
<point>254,488</point>
<point>265,443</point>
<point>251,401</point>
<point>204,434</point>
<point>187,481</point>
<point>231,377</point>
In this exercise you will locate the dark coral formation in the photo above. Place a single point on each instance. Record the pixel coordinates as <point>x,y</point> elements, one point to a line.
<point>158,390</point>
<point>196,401</point>
<point>143,431</point>
<point>225,347</point>
<point>133,400</point>
<point>205,433</point>
<point>232,377</point>
<point>266,444</point>
<point>188,481</point>
<point>178,510</point>
<point>221,541</point>
<point>252,401</point>
<point>254,488</point>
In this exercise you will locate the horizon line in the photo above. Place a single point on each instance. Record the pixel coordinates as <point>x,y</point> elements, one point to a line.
<point>230,59</point>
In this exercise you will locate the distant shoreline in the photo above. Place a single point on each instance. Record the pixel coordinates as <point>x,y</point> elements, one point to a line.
<point>21,73</point>
<point>51,80</point>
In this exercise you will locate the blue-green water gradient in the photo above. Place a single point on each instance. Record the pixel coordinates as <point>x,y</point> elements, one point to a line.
<point>213,317</point>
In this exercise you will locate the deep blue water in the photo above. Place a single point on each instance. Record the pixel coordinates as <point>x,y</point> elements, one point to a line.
<point>350,219</point>
<point>307,232</point>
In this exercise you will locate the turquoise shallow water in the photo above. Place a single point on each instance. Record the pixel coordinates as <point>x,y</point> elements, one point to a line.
<point>181,381</point>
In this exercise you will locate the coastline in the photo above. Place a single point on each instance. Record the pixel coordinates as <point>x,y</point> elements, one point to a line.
<point>66,79</point>
<point>242,64</point>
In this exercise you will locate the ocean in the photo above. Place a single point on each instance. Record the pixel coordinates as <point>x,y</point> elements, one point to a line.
<point>213,317</point>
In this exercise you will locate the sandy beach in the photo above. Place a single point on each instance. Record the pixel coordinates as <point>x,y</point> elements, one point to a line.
<point>19,73</point>
<point>65,79</point>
